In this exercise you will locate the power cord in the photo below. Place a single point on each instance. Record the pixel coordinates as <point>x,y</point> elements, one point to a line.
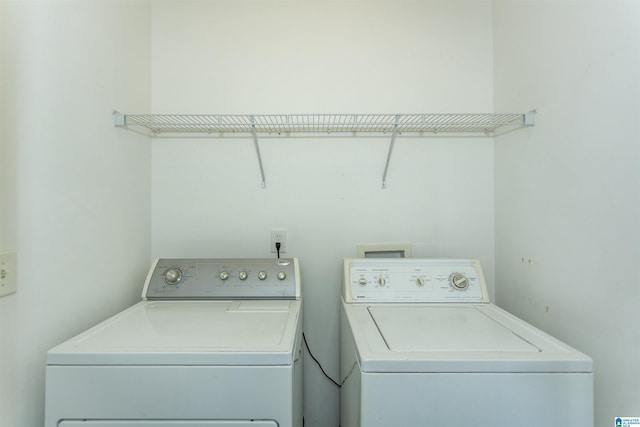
<point>278,249</point>
<point>318,363</point>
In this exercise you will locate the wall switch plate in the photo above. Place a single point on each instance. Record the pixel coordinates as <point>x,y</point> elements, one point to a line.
<point>8,273</point>
<point>279,235</point>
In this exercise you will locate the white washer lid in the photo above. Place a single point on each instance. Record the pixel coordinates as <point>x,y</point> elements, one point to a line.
<point>439,329</point>
<point>425,338</point>
<point>189,333</point>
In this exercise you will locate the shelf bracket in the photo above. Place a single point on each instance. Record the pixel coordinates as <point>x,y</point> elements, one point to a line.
<point>255,142</point>
<point>529,119</point>
<point>394,133</point>
<point>119,119</point>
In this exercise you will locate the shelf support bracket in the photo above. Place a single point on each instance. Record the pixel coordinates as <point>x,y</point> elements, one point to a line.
<point>529,119</point>
<point>255,142</point>
<point>394,133</point>
<point>119,119</point>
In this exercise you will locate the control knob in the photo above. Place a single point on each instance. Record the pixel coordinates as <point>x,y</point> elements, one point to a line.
<point>282,275</point>
<point>262,275</point>
<point>420,281</point>
<point>243,275</point>
<point>459,281</point>
<point>173,276</point>
<point>224,275</point>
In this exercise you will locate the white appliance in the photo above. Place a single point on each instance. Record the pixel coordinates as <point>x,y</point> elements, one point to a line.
<point>423,346</point>
<point>215,342</point>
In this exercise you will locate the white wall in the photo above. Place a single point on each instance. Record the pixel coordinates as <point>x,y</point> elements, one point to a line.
<point>7,215</point>
<point>322,57</point>
<point>567,201</point>
<point>77,209</point>
<point>78,195</point>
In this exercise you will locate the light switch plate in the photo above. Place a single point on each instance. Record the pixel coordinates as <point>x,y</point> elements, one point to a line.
<point>8,273</point>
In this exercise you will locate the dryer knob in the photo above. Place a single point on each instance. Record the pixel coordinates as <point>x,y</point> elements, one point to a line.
<point>459,281</point>
<point>173,276</point>
<point>382,281</point>
<point>243,275</point>
<point>262,275</point>
<point>224,275</point>
<point>420,281</point>
<point>282,275</point>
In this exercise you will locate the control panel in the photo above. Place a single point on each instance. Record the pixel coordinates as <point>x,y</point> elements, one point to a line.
<point>414,280</point>
<point>203,278</point>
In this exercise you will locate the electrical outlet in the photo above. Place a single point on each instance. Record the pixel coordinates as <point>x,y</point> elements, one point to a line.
<point>279,235</point>
<point>8,274</point>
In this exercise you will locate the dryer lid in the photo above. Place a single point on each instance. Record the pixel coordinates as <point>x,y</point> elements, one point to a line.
<point>247,332</point>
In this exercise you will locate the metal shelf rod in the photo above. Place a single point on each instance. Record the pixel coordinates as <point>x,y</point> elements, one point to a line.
<point>255,142</point>
<point>393,140</point>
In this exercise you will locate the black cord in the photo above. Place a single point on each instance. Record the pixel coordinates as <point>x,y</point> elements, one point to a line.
<point>318,363</point>
<point>278,249</point>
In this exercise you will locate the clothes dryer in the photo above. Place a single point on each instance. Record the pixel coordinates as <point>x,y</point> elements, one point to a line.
<point>422,345</point>
<point>213,343</point>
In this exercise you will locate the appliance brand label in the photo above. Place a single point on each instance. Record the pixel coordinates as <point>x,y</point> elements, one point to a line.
<point>627,422</point>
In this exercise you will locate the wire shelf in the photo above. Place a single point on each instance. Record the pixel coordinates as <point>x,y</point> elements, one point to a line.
<point>226,125</point>
<point>208,124</point>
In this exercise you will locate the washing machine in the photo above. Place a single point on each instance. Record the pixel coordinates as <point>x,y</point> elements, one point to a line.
<point>213,343</point>
<point>422,345</point>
